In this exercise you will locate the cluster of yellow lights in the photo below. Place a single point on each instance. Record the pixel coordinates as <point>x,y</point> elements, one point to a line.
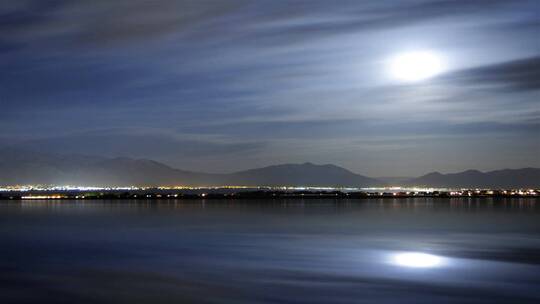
<point>396,191</point>
<point>38,197</point>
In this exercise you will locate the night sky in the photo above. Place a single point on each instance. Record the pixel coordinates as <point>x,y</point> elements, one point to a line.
<point>220,86</point>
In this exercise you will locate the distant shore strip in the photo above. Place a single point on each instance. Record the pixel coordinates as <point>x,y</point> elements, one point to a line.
<point>213,193</point>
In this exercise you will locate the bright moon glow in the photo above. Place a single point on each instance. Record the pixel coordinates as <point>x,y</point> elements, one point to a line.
<point>415,66</point>
<point>417,259</point>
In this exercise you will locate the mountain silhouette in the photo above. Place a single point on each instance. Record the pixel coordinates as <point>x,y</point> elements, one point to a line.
<point>23,167</point>
<point>26,167</point>
<point>507,178</point>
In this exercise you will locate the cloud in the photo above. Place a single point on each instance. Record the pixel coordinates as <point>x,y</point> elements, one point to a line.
<point>108,23</point>
<point>236,78</point>
<point>355,128</point>
<point>140,144</point>
<point>517,75</point>
<point>322,20</point>
<point>105,22</point>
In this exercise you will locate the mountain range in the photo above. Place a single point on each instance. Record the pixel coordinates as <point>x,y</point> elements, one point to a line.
<point>507,178</point>
<point>30,167</point>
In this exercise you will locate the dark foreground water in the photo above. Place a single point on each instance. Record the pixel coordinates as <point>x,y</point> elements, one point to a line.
<point>318,251</point>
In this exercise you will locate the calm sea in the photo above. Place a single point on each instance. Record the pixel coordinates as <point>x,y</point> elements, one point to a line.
<point>417,250</point>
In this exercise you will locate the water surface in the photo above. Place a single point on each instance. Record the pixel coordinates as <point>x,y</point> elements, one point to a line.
<point>418,250</point>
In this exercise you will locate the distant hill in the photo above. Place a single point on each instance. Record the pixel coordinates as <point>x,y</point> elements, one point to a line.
<point>28,167</point>
<point>507,178</point>
<point>306,174</point>
<point>25,167</point>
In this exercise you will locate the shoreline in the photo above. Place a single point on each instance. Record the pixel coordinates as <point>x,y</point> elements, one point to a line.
<point>211,194</point>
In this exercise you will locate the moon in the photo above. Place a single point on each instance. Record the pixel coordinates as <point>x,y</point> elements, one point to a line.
<point>417,260</point>
<point>415,66</point>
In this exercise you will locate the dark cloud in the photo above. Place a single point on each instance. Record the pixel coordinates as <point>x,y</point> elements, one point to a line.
<point>104,22</point>
<point>517,75</point>
<point>17,17</point>
<point>348,128</point>
<point>133,20</point>
<point>140,144</point>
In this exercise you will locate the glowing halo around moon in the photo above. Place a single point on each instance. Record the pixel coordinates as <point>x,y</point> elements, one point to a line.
<point>415,66</point>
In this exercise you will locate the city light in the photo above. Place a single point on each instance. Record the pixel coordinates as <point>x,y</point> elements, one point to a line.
<point>95,192</point>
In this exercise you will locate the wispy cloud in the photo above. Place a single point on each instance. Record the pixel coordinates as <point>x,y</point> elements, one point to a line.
<point>516,75</point>
<point>244,79</point>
